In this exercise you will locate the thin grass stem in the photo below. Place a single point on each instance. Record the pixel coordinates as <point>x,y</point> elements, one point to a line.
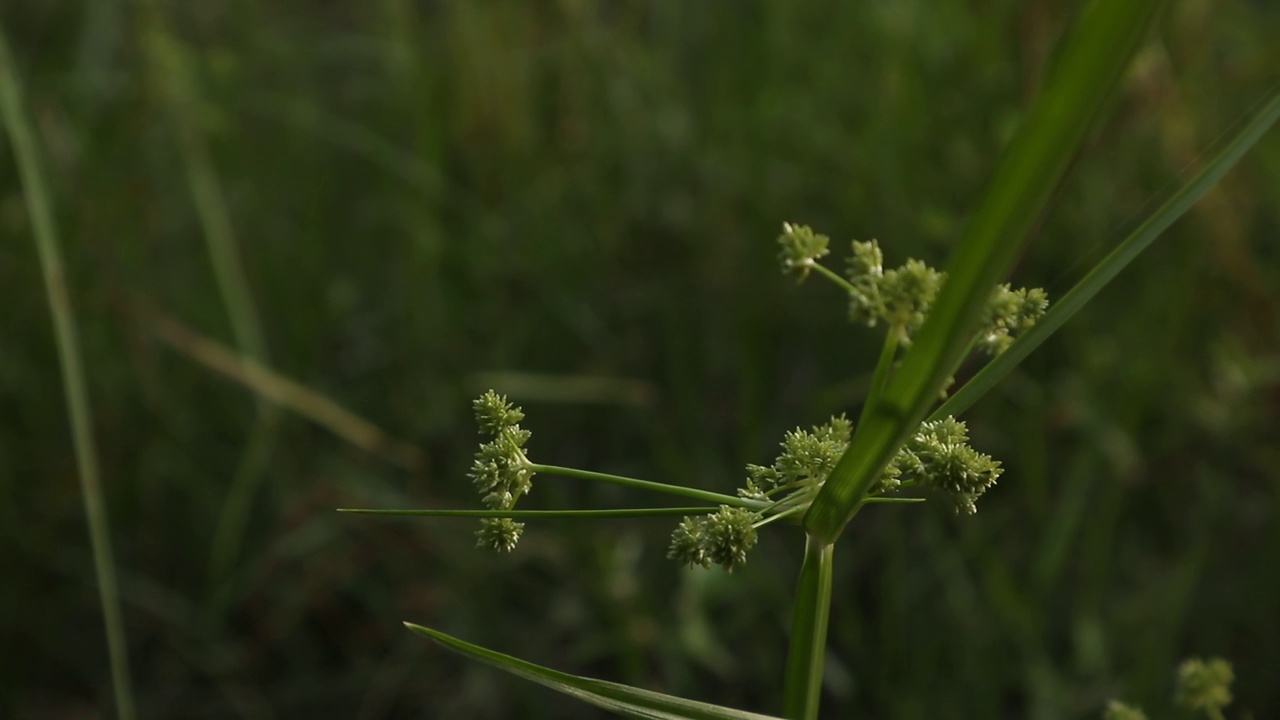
<point>550,514</point>
<point>75,387</point>
<point>833,276</point>
<point>677,490</point>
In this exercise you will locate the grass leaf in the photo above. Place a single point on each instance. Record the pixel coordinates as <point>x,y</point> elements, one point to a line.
<point>14,117</point>
<point>1104,272</point>
<point>617,698</point>
<point>1090,64</point>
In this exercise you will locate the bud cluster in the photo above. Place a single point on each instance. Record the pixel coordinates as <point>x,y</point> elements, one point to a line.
<point>939,457</point>
<point>501,472</point>
<point>801,248</point>
<point>721,538</point>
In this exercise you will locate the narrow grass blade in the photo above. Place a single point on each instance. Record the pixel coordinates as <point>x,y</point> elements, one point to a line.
<point>617,698</point>
<point>546,514</point>
<point>1106,271</point>
<point>808,645</point>
<point>1091,62</point>
<point>171,65</point>
<point>75,387</point>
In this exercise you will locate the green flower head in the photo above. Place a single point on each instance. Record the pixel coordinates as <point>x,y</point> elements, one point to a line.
<point>494,414</point>
<point>500,471</point>
<point>1010,313</point>
<point>722,538</point>
<point>865,272</point>
<point>939,457</point>
<point>1205,684</point>
<point>499,534</point>
<point>800,249</point>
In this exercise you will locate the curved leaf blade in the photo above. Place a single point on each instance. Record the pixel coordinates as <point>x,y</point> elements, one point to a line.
<point>615,697</point>
<point>1120,258</point>
<point>1092,60</point>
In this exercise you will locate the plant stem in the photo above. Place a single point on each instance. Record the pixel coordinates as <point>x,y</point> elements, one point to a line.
<point>550,514</point>
<point>834,277</point>
<point>73,376</point>
<point>693,493</point>
<point>881,375</point>
<point>809,632</point>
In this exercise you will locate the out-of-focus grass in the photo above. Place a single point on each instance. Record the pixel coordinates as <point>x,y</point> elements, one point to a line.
<point>425,194</point>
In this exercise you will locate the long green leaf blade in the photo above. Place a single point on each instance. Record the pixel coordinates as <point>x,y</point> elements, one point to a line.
<point>617,698</point>
<point>1091,62</point>
<point>1120,258</point>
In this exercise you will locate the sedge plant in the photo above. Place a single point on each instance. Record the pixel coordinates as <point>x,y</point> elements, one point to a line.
<point>905,444</point>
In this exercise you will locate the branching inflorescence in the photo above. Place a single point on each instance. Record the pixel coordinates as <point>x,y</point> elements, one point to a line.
<point>936,458</point>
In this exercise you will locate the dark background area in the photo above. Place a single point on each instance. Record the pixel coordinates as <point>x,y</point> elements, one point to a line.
<point>575,202</point>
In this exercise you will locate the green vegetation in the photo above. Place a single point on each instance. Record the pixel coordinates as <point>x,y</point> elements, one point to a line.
<point>1204,686</point>
<point>300,240</point>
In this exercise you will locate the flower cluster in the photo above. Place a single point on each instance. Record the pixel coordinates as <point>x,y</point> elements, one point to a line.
<point>722,538</point>
<point>1010,313</point>
<point>501,472</point>
<point>939,457</point>
<point>806,460</point>
<point>901,297</point>
<point>1205,685</point>
<point>801,248</point>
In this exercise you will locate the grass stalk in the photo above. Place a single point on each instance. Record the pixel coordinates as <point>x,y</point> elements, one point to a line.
<point>808,646</point>
<point>44,231</point>
<point>679,490</point>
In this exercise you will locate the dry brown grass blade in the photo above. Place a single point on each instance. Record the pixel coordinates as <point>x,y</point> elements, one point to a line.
<point>283,391</point>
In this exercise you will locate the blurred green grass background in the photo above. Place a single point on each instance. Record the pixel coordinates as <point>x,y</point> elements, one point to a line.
<point>575,202</point>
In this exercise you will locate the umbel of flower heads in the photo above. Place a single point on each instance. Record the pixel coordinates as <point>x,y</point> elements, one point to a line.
<point>937,458</point>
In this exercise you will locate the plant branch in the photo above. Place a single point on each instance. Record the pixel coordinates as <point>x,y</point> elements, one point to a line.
<point>570,514</point>
<point>678,490</point>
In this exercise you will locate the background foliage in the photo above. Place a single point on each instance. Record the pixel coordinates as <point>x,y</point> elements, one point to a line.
<point>575,202</point>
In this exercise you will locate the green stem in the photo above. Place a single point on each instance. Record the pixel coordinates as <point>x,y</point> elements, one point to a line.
<point>574,514</point>
<point>809,632</point>
<point>73,375</point>
<point>789,512</point>
<point>678,490</point>
<point>834,277</point>
<point>880,378</point>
